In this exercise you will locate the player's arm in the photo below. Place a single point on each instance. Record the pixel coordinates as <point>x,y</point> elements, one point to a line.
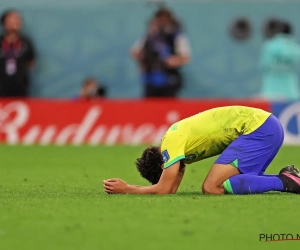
<point>166,184</point>
<point>178,179</point>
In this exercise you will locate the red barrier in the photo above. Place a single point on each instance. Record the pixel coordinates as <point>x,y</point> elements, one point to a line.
<point>98,122</point>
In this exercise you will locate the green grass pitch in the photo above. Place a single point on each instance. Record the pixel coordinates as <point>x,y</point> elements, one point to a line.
<point>52,198</point>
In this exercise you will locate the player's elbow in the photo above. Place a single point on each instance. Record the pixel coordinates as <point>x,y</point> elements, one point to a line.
<point>210,188</point>
<point>164,190</point>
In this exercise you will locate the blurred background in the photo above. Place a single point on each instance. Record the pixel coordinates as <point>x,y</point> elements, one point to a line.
<point>133,49</point>
<point>77,39</point>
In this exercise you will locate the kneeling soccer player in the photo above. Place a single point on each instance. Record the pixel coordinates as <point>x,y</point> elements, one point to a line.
<point>247,140</point>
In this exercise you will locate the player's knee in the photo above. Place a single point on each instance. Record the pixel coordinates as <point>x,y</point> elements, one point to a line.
<point>210,188</point>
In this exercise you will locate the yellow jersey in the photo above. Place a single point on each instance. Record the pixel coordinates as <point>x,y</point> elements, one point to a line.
<point>209,133</point>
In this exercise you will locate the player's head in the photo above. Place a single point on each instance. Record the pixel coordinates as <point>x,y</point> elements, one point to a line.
<point>150,164</point>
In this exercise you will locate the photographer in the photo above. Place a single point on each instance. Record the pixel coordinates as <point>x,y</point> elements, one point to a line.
<point>161,54</point>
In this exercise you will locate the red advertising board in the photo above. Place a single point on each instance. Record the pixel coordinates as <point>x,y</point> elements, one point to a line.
<point>98,122</point>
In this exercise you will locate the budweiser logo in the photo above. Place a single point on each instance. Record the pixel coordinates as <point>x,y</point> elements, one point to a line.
<point>12,117</point>
<point>16,126</point>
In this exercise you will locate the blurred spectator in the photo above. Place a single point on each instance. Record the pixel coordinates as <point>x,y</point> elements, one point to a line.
<point>160,54</point>
<point>91,89</point>
<point>17,57</point>
<point>280,64</point>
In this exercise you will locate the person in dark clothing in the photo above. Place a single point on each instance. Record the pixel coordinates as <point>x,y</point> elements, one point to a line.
<point>161,54</point>
<point>17,57</point>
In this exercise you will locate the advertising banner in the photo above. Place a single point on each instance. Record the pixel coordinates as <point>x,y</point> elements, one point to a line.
<point>38,121</point>
<point>289,116</point>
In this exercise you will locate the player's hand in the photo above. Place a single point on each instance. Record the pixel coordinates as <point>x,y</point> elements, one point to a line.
<point>115,186</point>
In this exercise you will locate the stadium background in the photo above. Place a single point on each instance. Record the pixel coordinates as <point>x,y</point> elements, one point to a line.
<point>79,38</point>
<point>96,36</point>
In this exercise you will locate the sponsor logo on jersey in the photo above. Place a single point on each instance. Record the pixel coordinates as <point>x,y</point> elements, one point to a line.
<point>165,156</point>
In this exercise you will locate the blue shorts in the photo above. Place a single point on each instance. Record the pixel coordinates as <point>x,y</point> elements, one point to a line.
<point>254,152</point>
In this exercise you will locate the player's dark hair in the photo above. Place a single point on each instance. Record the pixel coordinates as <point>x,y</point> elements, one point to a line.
<point>149,164</point>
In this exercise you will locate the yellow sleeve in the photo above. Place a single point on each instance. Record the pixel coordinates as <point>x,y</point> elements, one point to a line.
<point>173,149</point>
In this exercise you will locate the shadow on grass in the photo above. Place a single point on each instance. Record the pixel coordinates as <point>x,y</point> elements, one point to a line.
<point>193,193</point>
<point>88,193</point>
